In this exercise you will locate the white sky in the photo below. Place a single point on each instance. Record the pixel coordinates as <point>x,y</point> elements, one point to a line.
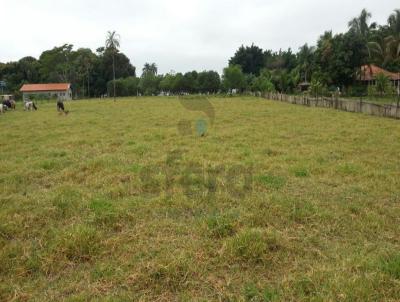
<point>180,35</point>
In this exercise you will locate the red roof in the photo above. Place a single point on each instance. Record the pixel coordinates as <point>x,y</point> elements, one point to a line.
<point>369,72</point>
<point>45,87</point>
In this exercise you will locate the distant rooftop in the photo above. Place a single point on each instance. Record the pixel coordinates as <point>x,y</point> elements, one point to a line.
<point>45,87</point>
<point>369,72</point>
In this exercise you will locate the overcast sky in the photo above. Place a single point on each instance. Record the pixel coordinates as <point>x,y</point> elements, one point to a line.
<point>179,35</point>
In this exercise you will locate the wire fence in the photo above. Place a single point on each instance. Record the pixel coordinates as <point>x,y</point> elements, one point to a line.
<point>384,110</point>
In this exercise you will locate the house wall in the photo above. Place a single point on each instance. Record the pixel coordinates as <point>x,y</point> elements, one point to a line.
<point>65,95</point>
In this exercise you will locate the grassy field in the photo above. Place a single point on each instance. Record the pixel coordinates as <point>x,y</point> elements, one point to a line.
<point>390,100</point>
<point>126,202</point>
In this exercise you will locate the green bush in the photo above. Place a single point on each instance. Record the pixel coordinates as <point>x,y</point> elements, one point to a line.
<point>317,88</point>
<point>124,87</point>
<point>382,83</point>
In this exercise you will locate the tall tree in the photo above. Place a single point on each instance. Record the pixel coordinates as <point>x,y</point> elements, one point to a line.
<point>102,72</point>
<point>29,68</point>
<point>113,44</point>
<point>263,83</point>
<point>359,25</point>
<point>84,61</point>
<point>250,59</point>
<point>282,59</point>
<point>306,59</point>
<point>166,85</point>
<point>385,48</point>
<point>393,40</point>
<point>190,82</point>
<point>150,68</point>
<point>56,64</point>
<point>149,81</point>
<point>339,58</point>
<point>233,78</point>
<point>209,81</point>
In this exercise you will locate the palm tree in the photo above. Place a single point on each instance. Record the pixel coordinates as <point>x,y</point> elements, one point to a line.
<point>389,48</point>
<point>150,68</point>
<point>394,21</point>
<point>382,83</point>
<point>306,56</point>
<point>378,53</point>
<point>360,25</point>
<point>113,43</point>
<point>393,41</point>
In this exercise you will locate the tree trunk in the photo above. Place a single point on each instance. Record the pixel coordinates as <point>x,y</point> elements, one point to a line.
<point>83,88</point>
<point>88,83</point>
<point>114,75</point>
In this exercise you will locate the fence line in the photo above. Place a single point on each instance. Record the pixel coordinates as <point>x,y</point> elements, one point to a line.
<point>391,111</point>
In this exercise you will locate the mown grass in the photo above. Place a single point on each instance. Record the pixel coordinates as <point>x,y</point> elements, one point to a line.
<point>275,203</point>
<point>382,100</point>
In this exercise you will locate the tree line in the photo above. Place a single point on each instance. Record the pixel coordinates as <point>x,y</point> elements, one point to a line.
<point>334,62</point>
<point>87,71</point>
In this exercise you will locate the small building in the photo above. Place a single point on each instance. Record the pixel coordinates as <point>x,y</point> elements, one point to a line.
<point>61,91</point>
<point>304,86</point>
<point>368,75</point>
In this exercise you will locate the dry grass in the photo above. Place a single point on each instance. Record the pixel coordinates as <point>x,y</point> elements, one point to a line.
<point>275,203</point>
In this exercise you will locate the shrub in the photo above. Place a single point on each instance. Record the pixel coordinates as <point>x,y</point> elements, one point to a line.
<point>124,87</point>
<point>317,88</point>
<point>382,83</point>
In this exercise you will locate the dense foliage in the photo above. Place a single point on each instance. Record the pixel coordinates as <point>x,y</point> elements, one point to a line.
<point>88,72</point>
<point>332,64</point>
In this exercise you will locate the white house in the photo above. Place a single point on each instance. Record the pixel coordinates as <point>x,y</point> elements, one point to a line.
<point>60,90</point>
